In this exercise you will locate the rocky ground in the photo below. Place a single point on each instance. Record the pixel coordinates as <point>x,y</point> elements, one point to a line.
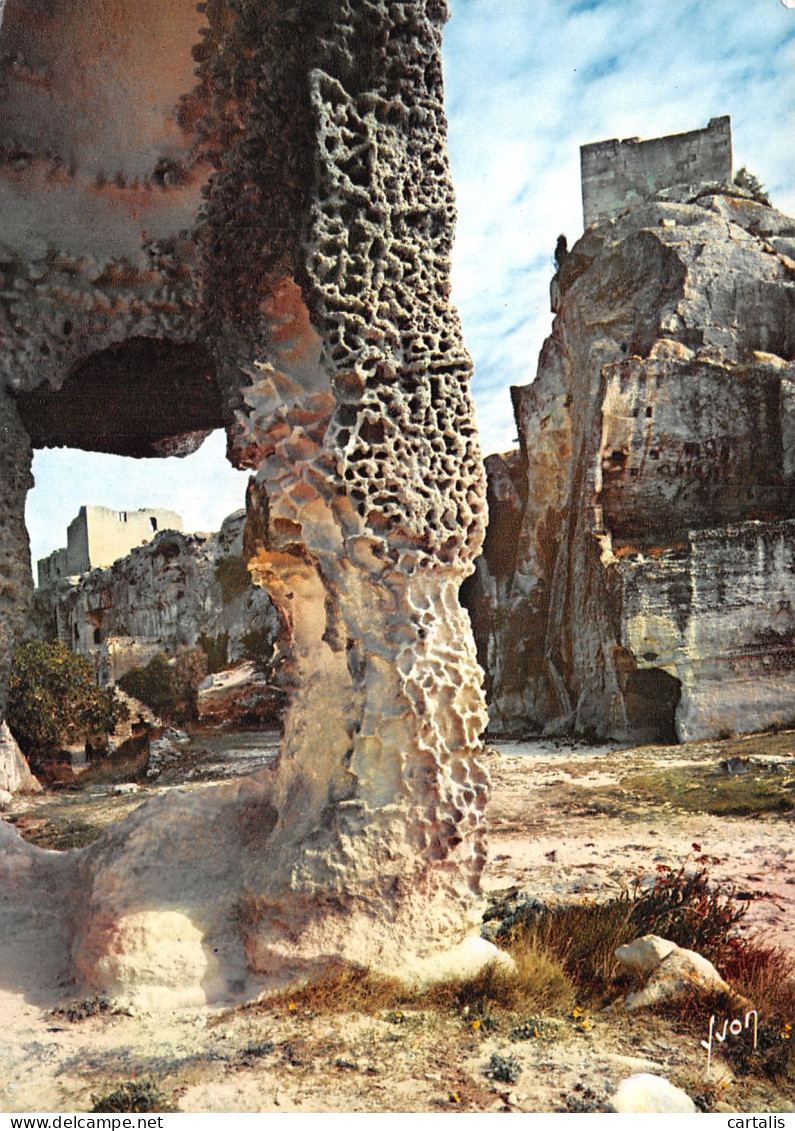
<point>568,823</point>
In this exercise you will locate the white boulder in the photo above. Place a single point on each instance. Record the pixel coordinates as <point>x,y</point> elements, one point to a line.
<point>672,971</point>
<point>646,1094</point>
<point>15,775</point>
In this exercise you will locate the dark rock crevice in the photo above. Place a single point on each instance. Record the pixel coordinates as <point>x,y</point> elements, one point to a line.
<point>143,397</point>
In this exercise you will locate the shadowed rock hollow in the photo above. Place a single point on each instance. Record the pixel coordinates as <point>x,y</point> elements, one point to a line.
<point>242,215</point>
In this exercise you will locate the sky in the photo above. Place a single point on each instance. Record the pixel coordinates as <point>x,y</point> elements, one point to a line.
<point>527,82</point>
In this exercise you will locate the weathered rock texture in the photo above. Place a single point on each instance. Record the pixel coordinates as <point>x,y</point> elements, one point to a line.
<point>15,775</point>
<point>269,251</point>
<point>646,587</point>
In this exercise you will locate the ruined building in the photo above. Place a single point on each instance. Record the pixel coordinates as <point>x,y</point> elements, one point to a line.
<point>639,570</point>
<point>99,535</point>
<point>176,594</point>
<point>620,174</point>
<point>256,237</point>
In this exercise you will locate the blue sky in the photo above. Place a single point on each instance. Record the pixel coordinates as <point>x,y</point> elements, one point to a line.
<point>527,83</point>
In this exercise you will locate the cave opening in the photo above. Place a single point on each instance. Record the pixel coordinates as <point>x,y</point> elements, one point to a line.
<point>651,699</point>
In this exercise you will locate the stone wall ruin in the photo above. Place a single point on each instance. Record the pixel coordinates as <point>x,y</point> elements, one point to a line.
<point>97,536</point>
<point>620,174</point>
<point>263,241</point>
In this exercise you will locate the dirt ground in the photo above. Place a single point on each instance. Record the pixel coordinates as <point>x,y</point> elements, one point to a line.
<point>567,823</point>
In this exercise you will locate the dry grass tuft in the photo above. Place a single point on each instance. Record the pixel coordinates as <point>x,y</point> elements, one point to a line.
<point>538,982</point>
<point>766,976</point>
<point>582,940</point>
<point>132,1096</point>
<point>343,989</point>
<point>543,983</point>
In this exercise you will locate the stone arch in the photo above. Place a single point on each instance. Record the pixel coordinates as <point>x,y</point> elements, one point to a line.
<point>141,397</point>
<point>300,231</point>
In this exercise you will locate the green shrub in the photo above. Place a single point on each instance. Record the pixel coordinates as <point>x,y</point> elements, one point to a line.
<point>689,910</point>
<point>153,684</point>
<point>233,577</point>
<point>215,649</point>
<point>752,184</point>
<point>168,685</point>
<point>54,699</point>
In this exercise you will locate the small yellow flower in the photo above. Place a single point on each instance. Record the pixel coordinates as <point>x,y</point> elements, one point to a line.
<point>292,1006</point>
<point>576,1012</point>
<point>476,1025</point>
<point>456,1099</point>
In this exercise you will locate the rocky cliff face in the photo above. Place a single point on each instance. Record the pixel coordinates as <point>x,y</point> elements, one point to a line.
<point>15,775</point>
<point>653,586</point>
<point>180,591</point>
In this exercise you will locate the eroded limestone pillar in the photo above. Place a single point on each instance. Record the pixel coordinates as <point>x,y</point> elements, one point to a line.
<point>333,320</point>
<point>378,512</point>
<point>321,283</point>
<point>16,582</point>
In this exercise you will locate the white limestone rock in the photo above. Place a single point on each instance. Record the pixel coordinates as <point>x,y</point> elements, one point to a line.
<point>652,593</point>
<point>15,775</point>
<point>240,693</point>
<point>643,954</point>
<point>646,1094</point>
<point>462,961</point>
<point>673,971</point>
<point>167,748</point>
